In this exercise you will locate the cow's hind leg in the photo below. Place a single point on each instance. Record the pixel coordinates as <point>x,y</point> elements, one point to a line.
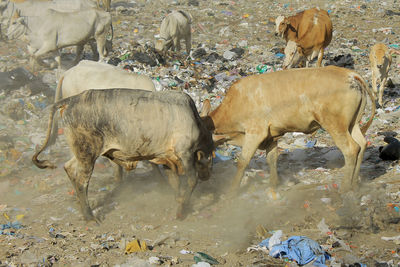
<point>188,41</point>
<point>79,172</point>
<point>320,57</point>
<point>350,149</point>
<point>360,139</point>
<point>79,50</point>
<point>272,159</point>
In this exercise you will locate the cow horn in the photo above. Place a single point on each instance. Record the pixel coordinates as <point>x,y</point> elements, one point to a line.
<point>206,108</point>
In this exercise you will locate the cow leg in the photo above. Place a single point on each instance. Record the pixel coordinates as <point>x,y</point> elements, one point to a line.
<point>320,57</point>
<point>188,41</point>
<point>374,81</point>
<point>176,44</point>
<point>93,47</point>
<point>174,181</point>
<point>79,172</point>
<point>156,169</point>
<point>350,149</point>
<point>381,89</point>
<point>118,172</point>
<point>272,159</point>
<point>101,45</point>
<point>360,139</point>
<point>250,145</point>
<point>79,50</point>
<point>57,58</point>
<point>46,48</point>
<point>185,192</point>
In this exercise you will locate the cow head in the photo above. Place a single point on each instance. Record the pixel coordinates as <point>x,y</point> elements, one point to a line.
<point>203,164</point>
<point>293,55</point>
<point>163,44</point>
<point>281,24</point>
<point>3,5</point>
<point>17,27</point>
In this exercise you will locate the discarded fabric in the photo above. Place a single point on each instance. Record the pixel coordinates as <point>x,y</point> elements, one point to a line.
<point>300,249</point>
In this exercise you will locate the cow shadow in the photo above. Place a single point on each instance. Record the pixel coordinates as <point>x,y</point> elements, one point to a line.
<point>291,164</point>
<point>135,182</point>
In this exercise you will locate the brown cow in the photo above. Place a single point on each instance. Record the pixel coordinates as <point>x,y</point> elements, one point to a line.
<point>380,59</point>
<point>307,34</point>
<point>257,110</point>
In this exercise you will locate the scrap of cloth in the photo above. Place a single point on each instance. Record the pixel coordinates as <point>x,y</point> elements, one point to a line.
<point>300,249</point>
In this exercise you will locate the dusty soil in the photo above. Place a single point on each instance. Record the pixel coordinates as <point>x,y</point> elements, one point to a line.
<point>143,206</point>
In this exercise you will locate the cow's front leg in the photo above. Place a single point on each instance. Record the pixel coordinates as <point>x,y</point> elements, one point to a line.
<point>250,145</point>
<point>93,47</point>
<point>79,173</point>
<point>186,192</point>
<point>381,89</point>
<point>118,172</point>
<point>176,44</point>
<point>174,181</point>
<point>101,45</point>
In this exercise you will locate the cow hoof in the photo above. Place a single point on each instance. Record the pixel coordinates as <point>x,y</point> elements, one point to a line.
<point>94,221</point>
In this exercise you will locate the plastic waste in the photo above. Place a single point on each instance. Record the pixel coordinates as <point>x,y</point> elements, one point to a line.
<point>135,246</point>
<point>326,231</point>
<point>203,257</point>
<point>201,264</point>
<point>10,225</point>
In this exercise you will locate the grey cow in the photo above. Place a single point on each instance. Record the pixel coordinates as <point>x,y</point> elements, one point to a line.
<point>55,30</point>
<point>174,27</point>
<point>127,126</point>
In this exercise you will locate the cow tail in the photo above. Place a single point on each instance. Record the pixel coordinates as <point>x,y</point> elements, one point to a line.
<point>58,97</point>
<point>366,88</point>
<point>43,164</point>
<point>112,32</point>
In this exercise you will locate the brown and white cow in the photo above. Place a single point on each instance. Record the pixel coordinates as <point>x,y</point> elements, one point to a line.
<point>257,110</point>
<point>127,126</point>
<point>380,59</point>
<point>307,34</point>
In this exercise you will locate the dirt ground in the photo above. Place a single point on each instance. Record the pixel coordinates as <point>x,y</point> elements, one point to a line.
<point>143,207</point>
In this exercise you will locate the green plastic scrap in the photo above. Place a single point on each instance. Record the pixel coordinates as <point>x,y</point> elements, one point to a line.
<point>203,257</point>
<point>125,56</point>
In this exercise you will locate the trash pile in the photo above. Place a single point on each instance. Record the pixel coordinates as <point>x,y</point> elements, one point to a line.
<point>40,221</point>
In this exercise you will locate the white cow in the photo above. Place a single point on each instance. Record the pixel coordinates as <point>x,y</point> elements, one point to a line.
<point>380,59</point>
<point>36,8</point>
<point>174,27</point>
<point>55,30</point>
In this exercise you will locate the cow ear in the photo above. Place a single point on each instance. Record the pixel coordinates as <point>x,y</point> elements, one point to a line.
<point>286,21</point>
<point>300,50</point>
<point>206,108</point>
<point>200,155</point>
